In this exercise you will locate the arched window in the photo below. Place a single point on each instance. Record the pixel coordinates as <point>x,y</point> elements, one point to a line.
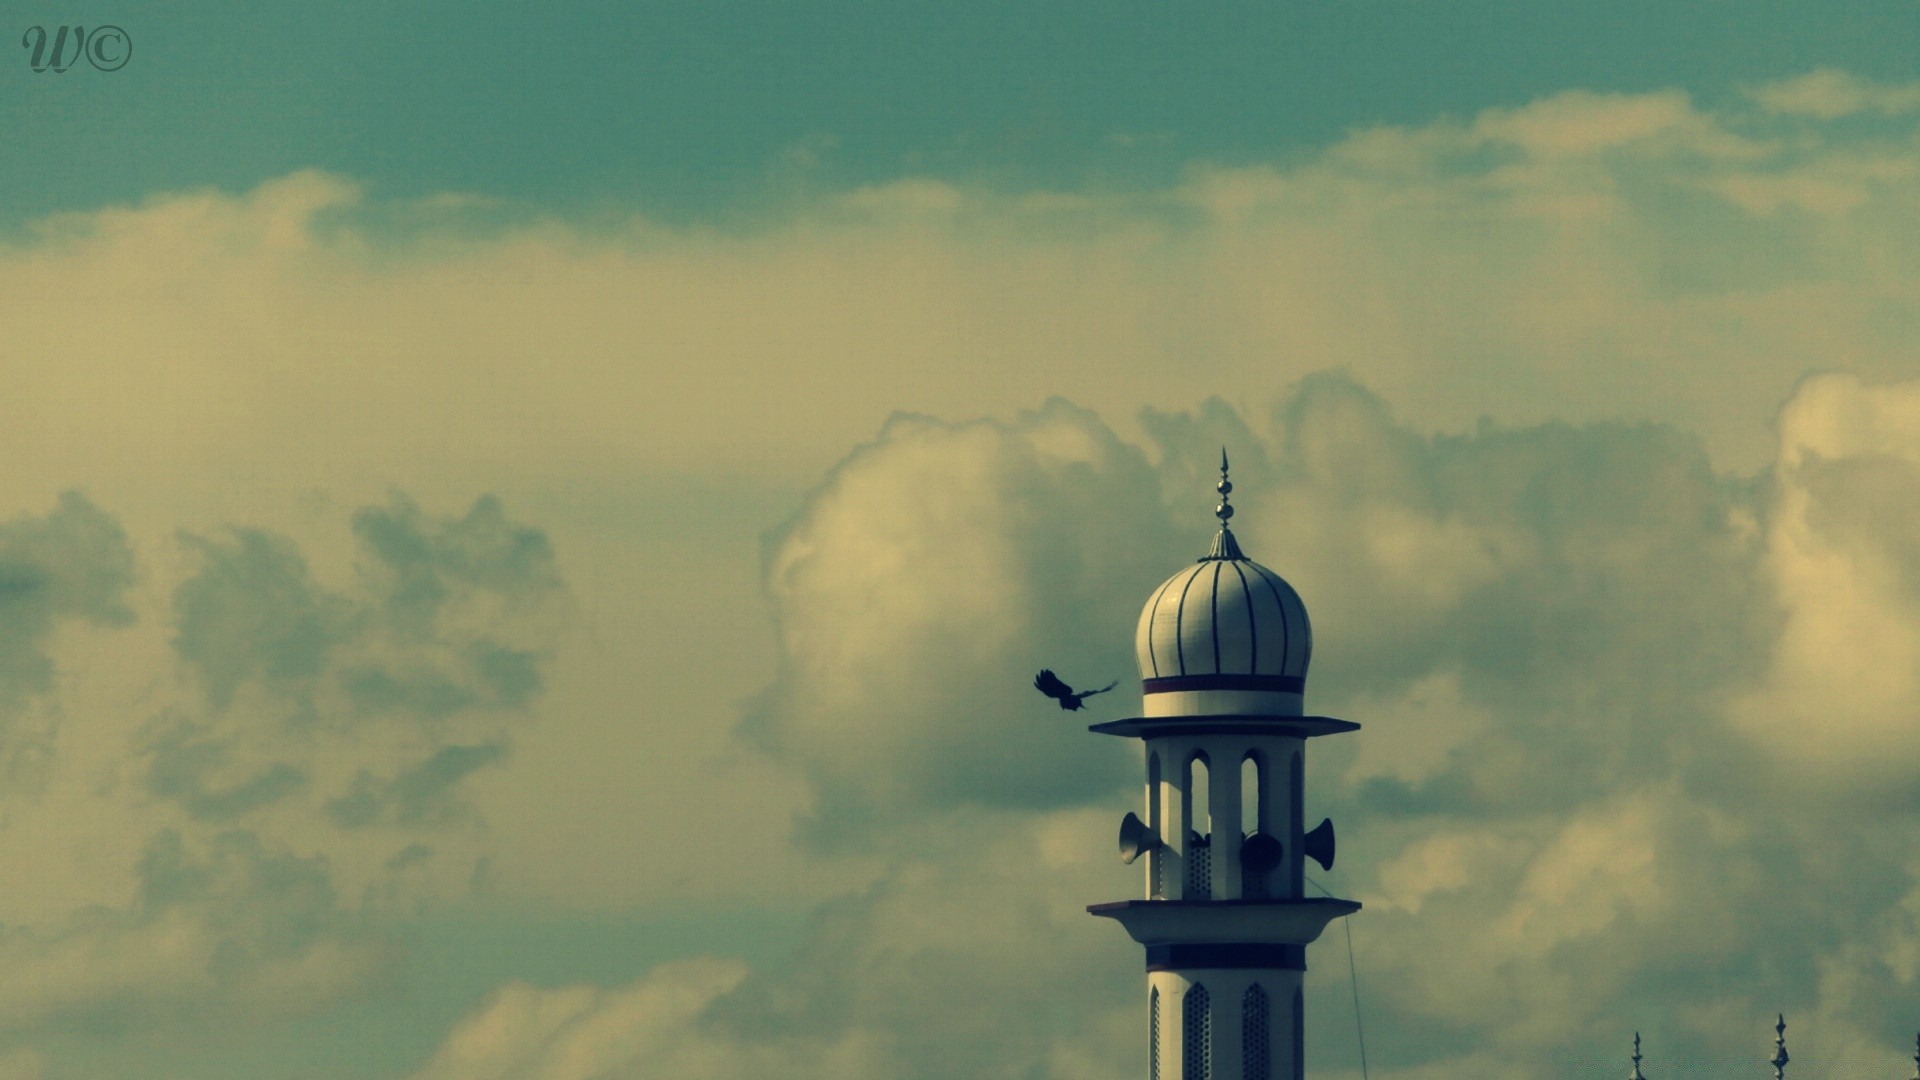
<point>1253,792</point>
<point>1153,1035</point>
<point>1198,1019</point>
<point>1253,819</point>
<point>1255,1050</point>
<point>1200,826</point>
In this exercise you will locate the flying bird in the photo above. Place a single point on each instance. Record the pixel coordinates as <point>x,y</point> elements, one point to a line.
<point>1049,684</point>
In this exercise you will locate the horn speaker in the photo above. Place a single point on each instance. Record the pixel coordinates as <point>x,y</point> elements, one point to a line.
<point>1318,844</point>
<point>1135,838</point>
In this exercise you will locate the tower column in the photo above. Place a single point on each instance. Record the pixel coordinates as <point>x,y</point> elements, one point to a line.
<point>1223,791</point>
<point>1175,812</point>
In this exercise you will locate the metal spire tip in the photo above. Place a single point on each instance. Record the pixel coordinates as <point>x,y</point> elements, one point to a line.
<point>1780,1057</point>
<point>1224,545</point>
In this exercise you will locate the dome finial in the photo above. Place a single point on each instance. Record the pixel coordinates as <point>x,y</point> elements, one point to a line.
<point>1224,545</point>
<point>1780,1058</point>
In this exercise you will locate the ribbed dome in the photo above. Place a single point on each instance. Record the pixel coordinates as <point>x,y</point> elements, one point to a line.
<point>1224,617</point>
<point>1224,636</point>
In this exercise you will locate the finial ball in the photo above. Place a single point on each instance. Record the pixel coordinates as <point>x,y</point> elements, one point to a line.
<point>1224,487</point>
<point>1223,511</point>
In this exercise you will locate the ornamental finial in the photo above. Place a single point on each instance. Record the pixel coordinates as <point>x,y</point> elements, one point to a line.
<point>1224,545</point>
<point>1780,1058</point>
<point>1635,1075</point>
<point>1916,1056</point>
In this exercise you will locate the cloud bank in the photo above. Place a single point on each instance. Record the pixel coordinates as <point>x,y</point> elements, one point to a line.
<point>1563,816</point>
<point>1632,640</point>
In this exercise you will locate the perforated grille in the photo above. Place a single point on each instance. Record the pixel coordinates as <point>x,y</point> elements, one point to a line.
<point>1255,1048</point>
<point>1199,1024</point>
<point>1199,868</point>
<point>1153,1035</point>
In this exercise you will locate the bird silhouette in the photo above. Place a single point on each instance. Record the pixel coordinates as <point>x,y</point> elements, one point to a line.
<point>1049,684</point>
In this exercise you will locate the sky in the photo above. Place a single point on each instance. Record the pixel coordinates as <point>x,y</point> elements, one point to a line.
<point>527,530</point>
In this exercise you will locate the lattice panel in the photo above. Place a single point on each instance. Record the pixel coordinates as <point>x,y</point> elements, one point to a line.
<point>1199,869</point>
<point>1256,1047</point>
<point>1198,1015</point>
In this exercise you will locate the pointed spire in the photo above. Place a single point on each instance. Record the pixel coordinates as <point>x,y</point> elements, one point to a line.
<point>1635,1074</point>
<point>1916,1056</point>
<point>1224,545</point>
<point>1780,1058</point>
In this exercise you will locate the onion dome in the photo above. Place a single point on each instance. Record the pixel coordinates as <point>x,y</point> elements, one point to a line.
<point>1225,636</point>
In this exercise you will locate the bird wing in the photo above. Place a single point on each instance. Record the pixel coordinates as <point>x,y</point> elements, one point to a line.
<point>1049,684</point>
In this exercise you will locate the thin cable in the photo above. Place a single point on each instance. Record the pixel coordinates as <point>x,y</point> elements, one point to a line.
<point>1353,977</point>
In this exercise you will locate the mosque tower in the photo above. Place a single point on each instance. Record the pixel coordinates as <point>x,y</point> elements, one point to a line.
<point>1223,648</point>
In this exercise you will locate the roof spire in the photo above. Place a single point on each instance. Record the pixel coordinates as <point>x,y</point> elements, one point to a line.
<point>1916,1056</point>
<point>1780,1058</point>
<point>1224,545</point>
<point>1635,1075</point>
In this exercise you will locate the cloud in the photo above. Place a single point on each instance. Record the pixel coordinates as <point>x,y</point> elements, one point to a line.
<point>73,563</point>
<point>1840,696</point>
<point>927,579</point>
<point>929,973</point>
<point>1587,602</point>
<point>382,698</point>
<point>1829,94</point>
<point>1559,622</point>
<point>1582,256</point>
<point>228,834</point>
<point>227,924</point>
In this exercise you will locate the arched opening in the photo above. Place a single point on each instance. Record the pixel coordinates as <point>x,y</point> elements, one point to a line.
<point>1199,799</point>
<point>1199,831</point>
<point>1259,849</point>
<point>1253,793</point>
<point>1197,1017</point>
<point>1255,1045</point>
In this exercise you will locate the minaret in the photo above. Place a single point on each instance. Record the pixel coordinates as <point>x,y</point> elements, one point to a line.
<point>1780,1057</point>
<point>1223,648</point>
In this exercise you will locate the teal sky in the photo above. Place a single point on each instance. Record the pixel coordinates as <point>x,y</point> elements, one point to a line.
<point>700,108</point>
<point>526,530</point>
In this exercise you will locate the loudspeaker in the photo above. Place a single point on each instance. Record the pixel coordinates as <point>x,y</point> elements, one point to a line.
<point>1135,838</point>
<point>1260,853</point>
<point>1318,844</point>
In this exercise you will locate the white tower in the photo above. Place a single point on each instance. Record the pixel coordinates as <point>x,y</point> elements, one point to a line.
<point>1223,651</point>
